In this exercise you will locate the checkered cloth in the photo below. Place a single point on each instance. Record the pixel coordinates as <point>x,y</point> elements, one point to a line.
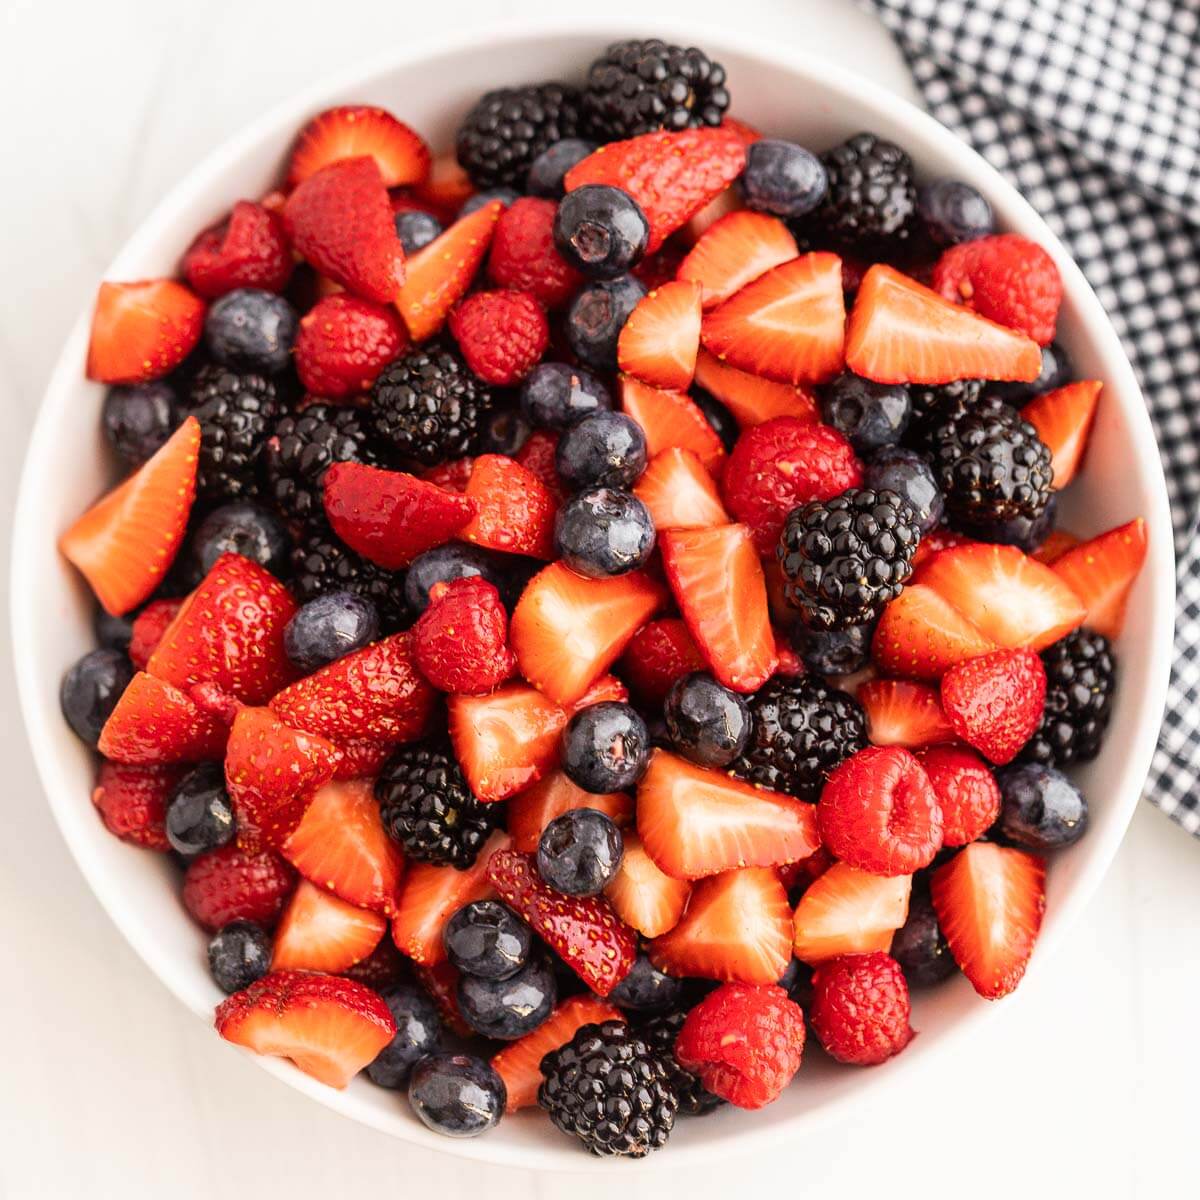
<point>1092,108</point>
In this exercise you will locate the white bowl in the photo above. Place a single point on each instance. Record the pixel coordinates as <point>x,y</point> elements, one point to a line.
<point>788,94</point>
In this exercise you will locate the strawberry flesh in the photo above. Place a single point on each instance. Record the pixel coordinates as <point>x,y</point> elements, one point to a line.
<point>319,932</point>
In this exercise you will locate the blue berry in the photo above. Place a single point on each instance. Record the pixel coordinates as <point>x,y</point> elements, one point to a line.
<point>796,980</point>
<point>724,423</point>
<point>709,724</point>
<point>579,852</point>
<point>1041,808</point>
<point>954,212</point>
<point>505,195</point>
<point>600,230</point>
<point>251,330</point>
<point>919,945</point>
<point>238,954</point>
<point>504,431</point>
<point>605,747</point>
<point>783,178</point>
<point>113,633</point>
<point>1024,533</point>
<point>240,527</point>
<point>418,1033</point>
<point>596,317</point>
<point>138,418</point>
<point>548,171</point>
<point>199,813</point>
<point>457,1095</point>
<point>647,989</point>
<point>909,475</point>
<point>453,561</point>
<point>506,1009</point>
<point>1056,371</point>
<point>834,652</point>
<point>604,532</point>
<point>328,628</point>
<point>90,691</point>
<point>605,449</point>
<point>556,395</point>
<point>487,939</point>
<point>416,229</point>
<point>871,415</point>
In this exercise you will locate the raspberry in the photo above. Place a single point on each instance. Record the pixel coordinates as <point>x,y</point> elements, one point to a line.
<point>658,655</point>
<point>744,1041</point>
<point>344,343</point>
<point>967,792</point>
<point>860,1008</point>
<point>502,335</point>
<point>453,475</point>
<point>524,257</point>
<point>537,456</point>
<point>460,641</point>
<point>132,802</point>
<point>781,464</point>
<point>148,627</point>
<point>230,885</point>
<point>248,249</point>
<point>995,702</point>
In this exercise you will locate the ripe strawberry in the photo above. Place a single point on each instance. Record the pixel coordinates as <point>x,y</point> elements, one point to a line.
<point>514,511</point>
<point>344,342</point>
<point>329,1027</point>
<point>142,330</point>
<point>148,629</point>
<point>1101,573</point>
<point>228,884</point>
<point>718,583</point>
<point>354,131</point>
<point>502,335</point>
<point>319,932</point>
<point>720,206</point>
<point>537,456</point>
<point>901,332</point>
<point>849,911</point>
<point>789,663</point>
<point>900,713</point>
<point>989,901</point>
<point>362,758</point>
<point>995,702</point>
<point>679,492</point>
<point>938,539</point>
<point>132,802</point>
<point>248,249</point>
<point>389,516</point>
<point>746,132</point>
<point>921,635</point>
<point>524,257</point>
<point>582,930</point>
<point>454,475</point>
<point>1057,543</point>
<point>860,1008</point>
<point>1063,420</point>
<point>735,251</point>
<point>671,419</point>
<point>737,926</point>
<point>445,189</point>
<point>660,267</point>
<point>803,874</point>
<point>967,792</point>
<point>659,341</point>
<point>441,982</point>
<point>672,176</point>
<point>642,895</point>
<point>460,641</point>
<point>788,324</point>
<point>155,724</point>
<point>750,398</point>
<point>657,655</point>
<point>745,1043</point>
<point>125,543</point>
<point>532,810</point>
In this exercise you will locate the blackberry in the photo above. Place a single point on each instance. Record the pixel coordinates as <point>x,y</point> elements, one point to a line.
<point>611,1090</point>
<point>428,809</point>
<point>508,128</point>
<point>427,406</point>
<point>933,404</point>
<point>321,564</point>
<point>803,728</point>
<point>871,197</point>
<point>659,1033</point>
<point>638,86</point>
<point>1080,676</point>
<point>843,559</point>
<point>236,410</point>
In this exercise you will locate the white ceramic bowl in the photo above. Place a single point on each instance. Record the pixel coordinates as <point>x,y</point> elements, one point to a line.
<point>788,94</point>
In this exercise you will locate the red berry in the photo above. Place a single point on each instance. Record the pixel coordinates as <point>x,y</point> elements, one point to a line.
<point>966,790</point>
<point>460,641</point>
<point>148,628</point>
<point>514,512</point>
<point>452,476</point>
<point>502,335</point>
<point>658,655</point>
<point>994,702</point>
<point>538,457</point>
<point>524,257</point>
<point>230,885</point>
<point>247,249</point>
<point>860,1008</point>
<point>132,802</point>
<point>344,342</point>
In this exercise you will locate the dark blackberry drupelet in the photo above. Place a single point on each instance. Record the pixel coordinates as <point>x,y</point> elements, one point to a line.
<point>638,86</point>
<point>428,809</point>
<point>611,1090</point>
<point>321,564</point>
<point>1080,677</point>
<point>659,1033</point>
<point>236,411</point>
<point>803,728</point>
<point>508,128</point>
<point>934,403</point>
<point>843,559</point>
<point>871,197</point>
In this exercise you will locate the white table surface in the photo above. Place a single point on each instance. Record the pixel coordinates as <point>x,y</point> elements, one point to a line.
<point>108,1087</point>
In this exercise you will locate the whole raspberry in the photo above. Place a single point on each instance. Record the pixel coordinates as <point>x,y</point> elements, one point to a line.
<point>744,1041</point>
<point>230,885</point>
<point>249,249</point>
<point>860,1008</point>
<point>460,641</point>
<point>502,335</point>
<point>967,792</point>
<point>132,802</point>
<point>344,343</point>
<point>523,255</point>
<point>657,655</point>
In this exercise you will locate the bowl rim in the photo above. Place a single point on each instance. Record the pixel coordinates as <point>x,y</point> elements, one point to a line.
<point>838,82</point>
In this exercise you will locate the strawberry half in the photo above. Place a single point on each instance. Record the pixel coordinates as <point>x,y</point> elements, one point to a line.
<point>1063,420</point>
<point>354,131</point>
<point>679,492</point>
<point>642,895</point>
<point>529,813</point>
<point>671,419</point>
<point>319,932</point>
<point>922,635</point>
<point>142,330</point>
<point>445,189</point>
<point>248,248</point>
<point>900,713</point>
<point>148,628</point>
<point>751,398</point>
<point>659,341</point>
<point>1057,543</point>
<point>848,911</point>
<point>995,702</point>
<point>1102,571</point>
<point>513,510</point>
<point>155,724</point>
<point>735,251</point>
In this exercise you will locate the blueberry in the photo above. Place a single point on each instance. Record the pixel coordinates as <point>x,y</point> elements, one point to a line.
<point>138,419</point>
<point>556,395</point>
<point>90,691</point>
<point>1056,370</point>
<point>199,811</point>
<point>1042,809</point>
<point>605,747</point>
<point>646,988</point>
<point>455,561</point>
<point>871,415</point>
<point>579,852</point>
<point>240,527</point>
<point>919,945</point>
<point>113,633</point>
<point>457,1095</point>
<point>596,317</point>
<point>604,532</point>
<point>605,449</point>
<point>487,939</point>
<point>505,195</point>
<point>549,169</point>
<point>251,330</point>
<point>709,724</point>
<point>723,422</point>
<point>506,1009</point>
<point>1024,533</point>
<point>909,475</point>
<point>834,652</point>
<point>954,212</point>
<point>416,229</point>
<point>504,431</point>
<point>328,628</point>
<point>783,178</point>
<point>600,230</point>
<point>418,1033</point>
<point>238,954</point>
<point>796,980</point>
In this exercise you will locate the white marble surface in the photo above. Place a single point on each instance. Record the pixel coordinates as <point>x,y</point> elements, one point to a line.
<point>109,1088</point>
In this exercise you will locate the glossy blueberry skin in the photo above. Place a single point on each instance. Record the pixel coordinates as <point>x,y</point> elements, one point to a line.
<point>724,423</point>
<point>199,813</point>
<point>1021,532</point>
<point>596,317</point>
<point>252,330</point>
<point>919,945</point>
<point>954,212</point>
<point>646,988</point>
<point>458,1095</point>
<point>328,628</point>
<point>505,431</point>
<point>488,940</point>
<point>605,747</point>
<point>90,691</point>
<point>796,980</point>
<point>603,532</point>
<point>548,171</point>
<point>834,652</point>
<point>416,229</point>
<point>1041,808</point>
<point>605,449</point>
<point>601,230</point>
<point>579,852</point>
<point>138,418</point>
<point>709,724</point>
<point>505,195</point>
<point>454,560</point>
<point>238,954</point>
<point>418,1033</point>
<point>240,527</point>
<point>113,633</point>
<point>1056,371</point>
<point>783,179</point>
<point>909,475</point>
<point>506,1009</point>
<point>555,395</point>
<point>870,415</point>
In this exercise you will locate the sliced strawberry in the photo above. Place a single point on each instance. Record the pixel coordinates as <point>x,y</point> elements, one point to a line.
<point>642,895</point>
<point>445,189</point>
<point>538,455</point>
<point>788,325</point>
<point>148,628</point>
<point>514,510</point>
<point>718,583</point>
<point>721,205</point>
<point>1101,573</point>
<point>735,251</point>
<point>671,419</point>
<point>441,981</point>
<point>362,758</point>
<point>679,492</point>
<point>900,713</point>
<point>460,641</point>
<point>126,542</point>
<point>659,341</point>
<point>1057,543</point>
<point>319,932</point>
<point>453,475</point>
<point>227,884</point>
<point>155,724</point>
<point>249,248</point>
<point>751,398</point>
<point>989,901</point>
<point>848,911</point>
<point>530,812</point>
<point>938,539</point>
<point>995,702</point>
<point>132,802</point>
<point>355,130</point>
<point>657,655</point>
<point>1063,419</point>
<point>142,330</point>
<point>921,635</point>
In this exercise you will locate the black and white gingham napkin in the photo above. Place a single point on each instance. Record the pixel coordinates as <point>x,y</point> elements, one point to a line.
<point>1092,109</point>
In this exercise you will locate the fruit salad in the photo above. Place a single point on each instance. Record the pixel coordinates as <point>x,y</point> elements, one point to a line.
<point>585,612</point>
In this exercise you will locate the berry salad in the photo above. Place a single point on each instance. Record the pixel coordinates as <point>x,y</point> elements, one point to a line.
<point>585,613</point>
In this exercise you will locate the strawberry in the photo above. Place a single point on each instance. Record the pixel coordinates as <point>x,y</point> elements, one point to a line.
<point>148,629</point>
<point>155,724</point>
<point>995,702</point>
<point>514,511</point>
<point>901,332</point>
<point>787,324</point>
<point>671,419</point>
<point>746,132</point>
<point>967,792</point>
<point>142,330</point>
<point>460,641</point>
<point>657,655</point>
<point>643,896</point>
<point>722,205</point>
<point>940,538</point>
<point>735,251</point>
<point>126,542</point>
<point>653,270</point>
<point>679,492</point>
<point>849,911</point>
<point>362,758</point>
<point>659,341</point>
<point>921,635</point>
<point>445,189</point>
<point>538,456</point>
<point>229,632</point>
<point>672,176</point>
<point>390,517</point>
<point>567,630</point>
<point>989,901</point>
<point>1102,571</point>
<point>1057,543</point>
<point>341,845</point>
<point>354,131</point>
<point>900,713</point>
<point>502,335</point>
<point>319,932</point>
<point>455,474</point>
<point>132,802</point>
<point>1063,420</point>
<point>441,982</point>
<point>329,1027</point>
<point>718,583</point>
<point>860,1008</point>
<point>532,810</point>
<point>344,342</point>
<point>524,257</point>
<point>750,398</point>
<point>694,821</point>
<point>737,926</point>
<point>247,249</point>
<point>230,885</point>
<point>582,930</point>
